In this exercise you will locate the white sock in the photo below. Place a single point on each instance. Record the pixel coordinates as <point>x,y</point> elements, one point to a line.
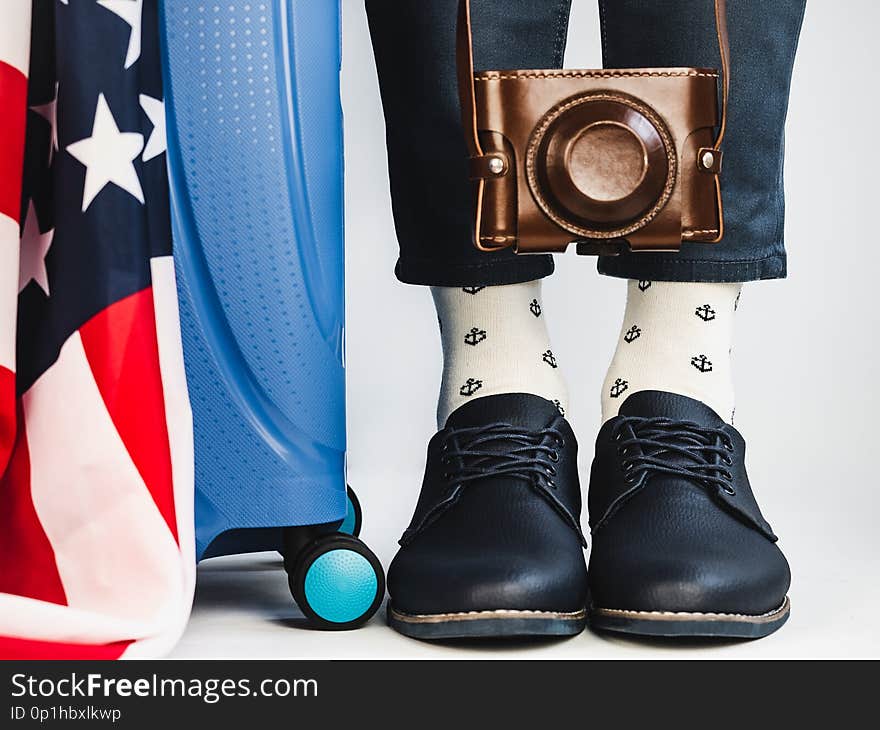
<point>495,341</point>
<point>676,337</point>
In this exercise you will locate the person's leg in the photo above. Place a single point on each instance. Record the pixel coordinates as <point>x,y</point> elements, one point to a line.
<point>669,560</point>
<point>494,547</point>
<point>763,41</point>
<point>495,341</point>
<point>676,336</point>
<point>414,47</point>
<point>432,198</point>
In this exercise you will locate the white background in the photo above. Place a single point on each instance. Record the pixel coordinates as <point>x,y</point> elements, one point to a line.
<point>805,367</point>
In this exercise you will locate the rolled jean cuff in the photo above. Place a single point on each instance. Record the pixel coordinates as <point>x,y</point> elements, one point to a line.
<point>491,272</point>
<point>654,267</point>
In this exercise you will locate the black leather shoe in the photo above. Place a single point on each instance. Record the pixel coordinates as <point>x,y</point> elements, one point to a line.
<point>495,546</point>
<point>679,545</point>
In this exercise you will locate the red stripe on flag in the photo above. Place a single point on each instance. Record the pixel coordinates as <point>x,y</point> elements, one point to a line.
<point>123,353</point>
<point>7,416</point>
<point>13,103</point>
<point>28,558</point>
<point>11,648</point>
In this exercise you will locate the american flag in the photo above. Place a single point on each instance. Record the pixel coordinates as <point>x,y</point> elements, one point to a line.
<point>96,524</point>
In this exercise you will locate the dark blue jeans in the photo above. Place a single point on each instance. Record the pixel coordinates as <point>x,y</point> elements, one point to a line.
<point>414,44</point>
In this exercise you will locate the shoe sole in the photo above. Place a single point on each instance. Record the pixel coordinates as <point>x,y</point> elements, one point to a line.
<point>487,624</point>
<point>668,623</point>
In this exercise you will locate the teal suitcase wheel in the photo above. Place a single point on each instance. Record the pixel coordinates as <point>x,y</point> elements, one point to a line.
<point>337,582</point>
<point>353,516</point>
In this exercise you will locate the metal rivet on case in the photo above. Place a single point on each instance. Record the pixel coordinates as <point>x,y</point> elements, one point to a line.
<point>707,160</point>
<point>496,165</point>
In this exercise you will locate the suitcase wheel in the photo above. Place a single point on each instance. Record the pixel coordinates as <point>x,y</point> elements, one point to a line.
<point>353,516</point>
<point>337,582</point>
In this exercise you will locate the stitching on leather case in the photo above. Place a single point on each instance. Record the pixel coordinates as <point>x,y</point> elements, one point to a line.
<point>538,195</point>
<point>495,76</point>
<point>704,232</point>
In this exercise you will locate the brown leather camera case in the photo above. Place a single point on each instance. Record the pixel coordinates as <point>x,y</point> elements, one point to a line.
<point>605,158</point>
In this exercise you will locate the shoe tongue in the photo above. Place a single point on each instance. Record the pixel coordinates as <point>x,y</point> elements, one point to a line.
<point>658,403</point>
<point>519,409</point>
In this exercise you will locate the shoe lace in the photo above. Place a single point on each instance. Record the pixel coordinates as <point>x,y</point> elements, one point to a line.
<point>501,449</point>
<point>525,454</point>
<point>684,449</point>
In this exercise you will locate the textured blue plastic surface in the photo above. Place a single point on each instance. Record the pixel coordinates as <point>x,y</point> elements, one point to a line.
<point>340,586</point>
<point>255,161</point>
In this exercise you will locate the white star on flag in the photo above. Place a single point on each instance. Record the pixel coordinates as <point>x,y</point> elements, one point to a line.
<point>155,111</point>
<point>49,112</point>
<point>34,247</point>
<point>108,156</point>
<point>131,11</point>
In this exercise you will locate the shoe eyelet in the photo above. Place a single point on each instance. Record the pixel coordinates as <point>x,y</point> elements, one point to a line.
<point>551,471</point>
<point>630,479</point>
<point>554,456</point>
<point>729,490</point>
<point>726,460</point>
<point>628,466</point>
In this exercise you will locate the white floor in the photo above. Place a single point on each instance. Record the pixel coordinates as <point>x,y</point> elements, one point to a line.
<point>243,609</point>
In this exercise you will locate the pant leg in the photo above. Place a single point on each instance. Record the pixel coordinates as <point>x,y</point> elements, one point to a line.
<point>763,41</point>
<point>414,46</point>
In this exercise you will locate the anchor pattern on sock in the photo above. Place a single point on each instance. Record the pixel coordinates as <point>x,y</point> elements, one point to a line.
<point>675,337</point>
<point>706,313</point>
<point>702,363</point>
<point>470,387</point>
<point>475,336</point>
<point>618,388</point>
<point>495,340</point>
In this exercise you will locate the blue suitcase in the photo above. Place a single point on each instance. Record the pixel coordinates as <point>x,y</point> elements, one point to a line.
<point>255,163</point>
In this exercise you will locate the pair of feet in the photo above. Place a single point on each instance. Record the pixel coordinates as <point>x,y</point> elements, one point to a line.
<point>679,545</point>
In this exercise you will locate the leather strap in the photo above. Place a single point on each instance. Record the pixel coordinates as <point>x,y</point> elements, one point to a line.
<point>724,48</point>
<point>467,90</point>
<point>466,85</point>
